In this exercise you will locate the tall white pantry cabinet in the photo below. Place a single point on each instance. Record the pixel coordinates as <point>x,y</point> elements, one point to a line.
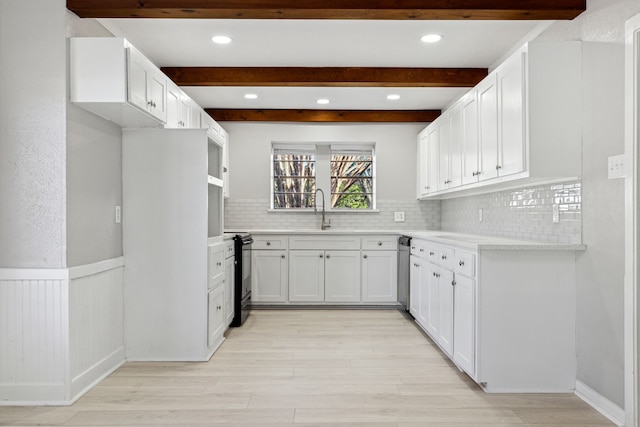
<point>168,207</point>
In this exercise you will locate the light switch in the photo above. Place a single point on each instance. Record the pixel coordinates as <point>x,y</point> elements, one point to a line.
<point>118,214</point>
<point>398,216</point>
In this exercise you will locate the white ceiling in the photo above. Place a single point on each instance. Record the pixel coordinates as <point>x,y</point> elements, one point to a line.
<point>322,43</point>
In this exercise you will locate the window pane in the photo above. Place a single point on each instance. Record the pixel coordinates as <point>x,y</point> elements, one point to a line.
<point>352,180</point>
<point>293,179</point>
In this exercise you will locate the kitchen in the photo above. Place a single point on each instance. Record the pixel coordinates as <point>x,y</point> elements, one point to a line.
<point>56,223</point>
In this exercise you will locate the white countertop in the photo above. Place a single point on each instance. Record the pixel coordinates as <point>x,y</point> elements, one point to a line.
<point>469,241</point>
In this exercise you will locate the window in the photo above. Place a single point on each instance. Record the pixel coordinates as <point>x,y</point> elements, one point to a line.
<point>352,179</point>
<point>347,173</point>
<point>294,178</point>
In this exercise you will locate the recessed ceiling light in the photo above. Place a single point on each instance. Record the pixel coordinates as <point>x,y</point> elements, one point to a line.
<point>250,96</point>
<point>393,97</point>
<point>221,39</point>
<point>431,38</point>
<point>322,101</point>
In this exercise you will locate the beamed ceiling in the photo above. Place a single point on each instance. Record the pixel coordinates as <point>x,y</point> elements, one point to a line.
<point>292,75</point>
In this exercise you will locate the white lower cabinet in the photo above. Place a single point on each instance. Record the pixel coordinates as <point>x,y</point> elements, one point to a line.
<point>269,276</point>
<point>505,317</point>
<point>215,316</point>
<point>464,321</point>
<point>306,276</point>
<point>342,276</point>
<point>379,276</point>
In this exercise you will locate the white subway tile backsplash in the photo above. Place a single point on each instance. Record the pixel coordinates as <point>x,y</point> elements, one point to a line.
<point>246,214</point>
<point>525,213</point>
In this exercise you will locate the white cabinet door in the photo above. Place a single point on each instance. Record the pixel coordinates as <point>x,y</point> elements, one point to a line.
<point>157,94</point>
<point>433,158</point>
<point>445,330</point>
<point>229,288</point>
<point>216,317</point>
<point>173,105</point>
<point>269,276</point>
<point>430,301</point>
<point>470,167</point>
<point>465,325</point>
<point>444,144</point>
<point>415,280</point>
<point>342,276</point>
<point>511,93</point>
<point>147,86</point>
<point>379,276</point>
<point>306,276</point>
<point>137,80</point>
<point>422,165</point>
<point>215,264</point>
<point>488,127</point>
<point>455,146</point>
<point>225,162</point>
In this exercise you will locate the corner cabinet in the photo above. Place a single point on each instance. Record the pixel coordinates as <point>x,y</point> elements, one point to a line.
<point>521,123</point>
<point>173,244</point>
<point>505,317</point>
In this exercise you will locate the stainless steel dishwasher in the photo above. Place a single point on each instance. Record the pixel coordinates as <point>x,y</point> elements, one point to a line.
<point>404,252</point>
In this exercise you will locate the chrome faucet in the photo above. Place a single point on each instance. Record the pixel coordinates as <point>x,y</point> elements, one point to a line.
<point>326,224</point>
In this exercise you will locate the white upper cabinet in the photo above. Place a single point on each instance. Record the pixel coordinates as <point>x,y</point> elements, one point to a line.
<point>488,128</point>
<point>511,119</point>
<point>422,181</point>
<point>470,159</point>
<point>113,80</point>
<point>147,87</point>
<point>522,122</point>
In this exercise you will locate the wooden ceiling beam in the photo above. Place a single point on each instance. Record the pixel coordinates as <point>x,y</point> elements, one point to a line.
<point>331,9</point>
<point>324,116</point>
<point>325,76</point>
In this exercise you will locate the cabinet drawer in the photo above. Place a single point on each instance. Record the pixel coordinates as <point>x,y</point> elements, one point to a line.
<point>324,242</point>
<point>446,257</point>
<point>465,263</point>
<point>216,265</point>
<point>383,243</point>
<point>276,242</point>
<point>229,249</point>
<point>419,248</point>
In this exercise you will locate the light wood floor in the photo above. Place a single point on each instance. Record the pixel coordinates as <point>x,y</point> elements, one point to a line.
<point>369,368</point>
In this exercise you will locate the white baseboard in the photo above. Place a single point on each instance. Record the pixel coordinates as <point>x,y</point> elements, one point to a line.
<point>600,403</point>
<point>92,376</point>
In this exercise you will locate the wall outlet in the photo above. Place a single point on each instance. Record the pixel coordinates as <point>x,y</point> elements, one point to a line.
<point>615,167</point>
<point>118,214</point>
<point>556,213</point>
<point>398,216</point>
<point>480,214</point>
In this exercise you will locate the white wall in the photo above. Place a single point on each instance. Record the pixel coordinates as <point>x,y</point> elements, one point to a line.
<point>32,138</point>
<point>249,167</point>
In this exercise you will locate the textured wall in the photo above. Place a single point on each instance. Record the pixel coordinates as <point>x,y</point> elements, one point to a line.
<point>525,213</point>
<point>247,214</point>
<point>32,138</point>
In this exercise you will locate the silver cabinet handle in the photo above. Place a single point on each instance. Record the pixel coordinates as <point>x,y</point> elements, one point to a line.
<point>219,307</point>
<point>379,243</point>
<point>498,167</point>
<point>444,257</point>
<point>268,243</point>
<point>453,283</point>
<point>328,256</point>
<point>421,250</point>
<point>321,255</point>
<point>431,253</point>
<point>461,263</point>
<point>282,256</point>
<point>365,257</point>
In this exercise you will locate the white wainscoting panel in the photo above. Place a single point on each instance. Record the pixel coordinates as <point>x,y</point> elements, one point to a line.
<point>61,331</point>
<point>34,326</point>
<point>96,325</point>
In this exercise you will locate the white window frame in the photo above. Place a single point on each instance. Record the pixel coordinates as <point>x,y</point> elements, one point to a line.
<point>323,172</point>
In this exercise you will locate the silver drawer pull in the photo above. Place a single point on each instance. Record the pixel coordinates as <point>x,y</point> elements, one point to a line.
<point>365,257</point>
<point>444,257</point>
<point>282,256</point>
<point>431,254</point>
<point>461,263</point>
<point>328,256</point>
<point>268,243</point>
<point>379,243</point>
